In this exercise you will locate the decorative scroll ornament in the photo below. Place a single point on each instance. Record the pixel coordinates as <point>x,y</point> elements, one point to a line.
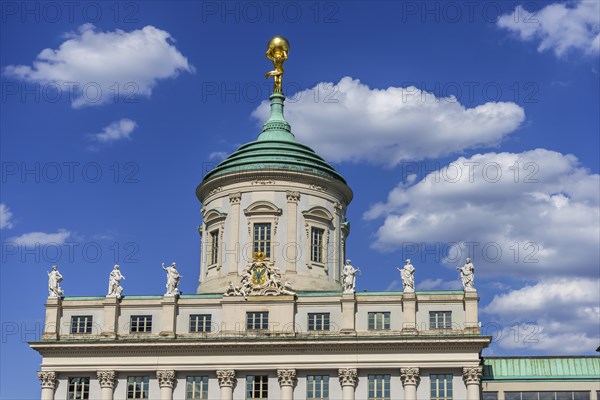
<point>260,278</point>
<point>235,198</point>
<point>409,376</point>
<point>292,196</point>
<point>107,378</point>
<point>287,377</point>
<point>48,379</point>
<point>348,376</point>
<point>472,375</point>
<point>166,378</point>
<point>226,377</point>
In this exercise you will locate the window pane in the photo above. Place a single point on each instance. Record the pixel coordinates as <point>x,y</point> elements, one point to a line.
<point>530,396</point>
<point>490,395</point>
<point>512,395</point>
<point>581,396</point>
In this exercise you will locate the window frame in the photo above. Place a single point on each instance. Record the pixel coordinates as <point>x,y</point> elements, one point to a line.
<point>372,320</point>
<point>446,320</point>
<point>144,380</point>
<point>263,387</point>
<point>318,217</point>
<point>263,212</point>
<point>78,388</point>
<point>317,250</point>
<point>318,319</point>
<point>191,380</point>
<point>206,323</point>
<point>87,326</point>
<point>214,221</point>
<point>379,387</point>
<point>147,325</point>
<point>319,386</point>
<point>446,378</point>
<point>263,321</point>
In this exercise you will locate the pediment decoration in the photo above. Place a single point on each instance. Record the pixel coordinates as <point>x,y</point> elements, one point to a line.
<point>214,215</point>
<point>260,278</point>
<point>318,213</point>
<point>262,208</point>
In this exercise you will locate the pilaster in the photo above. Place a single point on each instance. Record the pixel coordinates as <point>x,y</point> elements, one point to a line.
<point>53,311</point>
<point>471,318</point>
<point>111,315</point>
<point>169,316</point>
<point>348,313</point>
<point>409,310</point>
<point>290,246</point>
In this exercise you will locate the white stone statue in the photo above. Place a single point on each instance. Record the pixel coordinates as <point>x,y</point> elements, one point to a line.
<point>407,273</point>
<point>349,277</point>
<point>467,275</point>
<point>114,283</point>
<point>54,280</point>
<point>173,279</point>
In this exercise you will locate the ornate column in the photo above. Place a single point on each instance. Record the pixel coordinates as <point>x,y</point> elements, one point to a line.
<point>48,380</point>
<point>287,381</point>
<point>472,378</point>
<point>107,380</point>
<point>290,247</point>
<point>233,252</point>
<point>166,382</point>
<point>348,380</point>
<point>227,381</point>
<point>410,380</point>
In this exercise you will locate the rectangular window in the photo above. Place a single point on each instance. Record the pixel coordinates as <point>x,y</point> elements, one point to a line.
<point>137,387</point>
<point>200,323</point>
<point>317,387</point>
<point>196,388</point>
<point>81,324</point>
<point>490,395</point>
<point>214,247</point>
<point>379,387</point>
<point>262,239</point>
<point>441,386</point>
<point>141,324</point>
<point>78,388</point>
<point>379,321</point>
<point>546,395</point>
<point>257,320</point>
<point>318,321</point>
<point>316,244</point>
<point>440,319</point>
<point>257,387</point>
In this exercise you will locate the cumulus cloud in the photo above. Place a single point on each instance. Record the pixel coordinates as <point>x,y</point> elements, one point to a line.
<point>559,27</point>
<point>561,315</point>
<point>41,238</point>
<point>430,284</point>
<point>386,126</point>
<point>101,66</point>
<point>117,130</point>
<point>5,217</point>
<point>517,214</point>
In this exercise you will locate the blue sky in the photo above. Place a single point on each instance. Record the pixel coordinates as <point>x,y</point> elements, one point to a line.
<point>463,130</point>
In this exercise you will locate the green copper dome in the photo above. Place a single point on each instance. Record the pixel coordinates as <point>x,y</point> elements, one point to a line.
<point>275,148</point>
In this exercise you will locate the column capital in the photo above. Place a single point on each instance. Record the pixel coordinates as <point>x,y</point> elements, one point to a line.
<point>410,376</point>
<point>292,196</point>
<point>348,376</point>
<point>48,379</point>
<point>472,375</point>
<point>107,378</point>
<point>235,198</point>
<point>287,377</point>
<point>166,378</point>
<point>226,377</point>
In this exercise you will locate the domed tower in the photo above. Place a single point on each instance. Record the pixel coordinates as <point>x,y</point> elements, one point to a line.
<point>277,196</point>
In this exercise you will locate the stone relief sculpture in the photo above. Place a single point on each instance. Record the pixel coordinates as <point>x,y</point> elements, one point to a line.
<point>173,279</point>
<point>54,280</point>
<point>349,277</point>
<point>260,278</point>
<point>467,275</point>
<point>114,283</point>
<point>407,274</point>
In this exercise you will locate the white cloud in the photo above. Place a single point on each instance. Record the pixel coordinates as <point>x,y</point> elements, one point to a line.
<point>544,219</point>
<point>117,130</point>
<point>387,126</point>
<point>217,155</point>
<point>41,238</point>
<point>5,217</point>
<point>430,284</point>
<point>106,64</point>
<point>558,27</point>
<point>562,315</point>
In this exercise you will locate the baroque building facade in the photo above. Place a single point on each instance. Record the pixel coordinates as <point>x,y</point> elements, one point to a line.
<point>275,315</point>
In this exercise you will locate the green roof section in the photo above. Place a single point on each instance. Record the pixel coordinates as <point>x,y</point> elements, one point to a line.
<point>565,368</point>
<point>275,149</point>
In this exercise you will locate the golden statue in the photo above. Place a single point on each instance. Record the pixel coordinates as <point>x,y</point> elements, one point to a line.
<point>259,256</point>
<point>277,52</point>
